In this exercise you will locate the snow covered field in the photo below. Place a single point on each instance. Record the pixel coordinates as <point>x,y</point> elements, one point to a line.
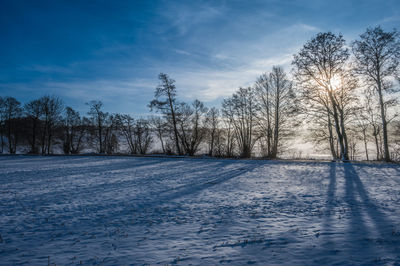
<point>124,210</point>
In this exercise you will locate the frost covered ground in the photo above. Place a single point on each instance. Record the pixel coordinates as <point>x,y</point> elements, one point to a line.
<point>124,210</point>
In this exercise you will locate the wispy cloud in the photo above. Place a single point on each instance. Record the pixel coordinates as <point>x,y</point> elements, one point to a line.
<point>184,16</point>
<point>211,84</point>
<point>46,69</point>
<point>389,19</point>
<point>178,51</point>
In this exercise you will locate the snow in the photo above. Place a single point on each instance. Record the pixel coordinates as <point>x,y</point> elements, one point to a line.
<point>127,210</point>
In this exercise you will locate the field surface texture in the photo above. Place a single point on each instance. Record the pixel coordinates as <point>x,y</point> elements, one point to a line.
<point>126,210</point>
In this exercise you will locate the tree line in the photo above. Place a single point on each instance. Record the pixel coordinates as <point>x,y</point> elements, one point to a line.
<point>343,95</point>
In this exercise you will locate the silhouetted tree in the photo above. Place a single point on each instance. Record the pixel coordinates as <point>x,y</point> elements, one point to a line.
<point>241,109</point>
<point>2,122</point>
<point>166,103</point>
<point>51,107</point>
<point>160,128</point>
<point>11,112</point>
<point>377,56</point>
<point>277,104</point>
<point>228,128</point>
<point>126,125</point>
<point>362,125</point>
<point>99,121</point>
<point>191,126</point>
<point>212,126</point>
<point>143,135</point>
<point>318,69</point>
<point>33,111</point>
<point>74,131</point>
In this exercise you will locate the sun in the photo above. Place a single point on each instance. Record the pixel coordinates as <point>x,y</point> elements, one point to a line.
<point>335,82</point>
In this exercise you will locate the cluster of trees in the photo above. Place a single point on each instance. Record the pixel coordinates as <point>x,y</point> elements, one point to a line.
<point>45,126</point>
<point>259,114</point>
<point>346,93</point>
<point>343,96</point>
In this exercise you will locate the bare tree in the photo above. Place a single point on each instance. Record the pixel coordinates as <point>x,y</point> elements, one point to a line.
<point>110,142</point>
<point>227,129</point>
<point>160,128</point>
<point>213,131</point>
<point>372,113</point>
<point>52,108</point>
<point>2,122</point>
<point>353,137</point>
<point>191,126</point>
<point>74,130</point>
<point>166,103</point>
<point>11,111</point>
<point>99,121</point>
<point>143,135</point>
<point>377,56</point>
<point>34,111</point>
<point>318,68</point>
<point>229,133</point>
<point>241,110</point>
<point>137,133</point>
<point>126,125</point>
<point>322,132</point>
<point>396,148</point>
<point>362,126</point>
<point>277,109</point>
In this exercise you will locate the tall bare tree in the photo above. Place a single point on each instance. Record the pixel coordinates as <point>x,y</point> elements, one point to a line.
<point>11,111</point>
<point>74,131</point>
<point>165,102</point>
<point>111,141</point>
<point>241,110</point>
<point>99,121</point>
<point>277,108</point>
<point>318,68</point>
<point>52,108</point>
<point>2,122</point>
<point>362,125</point>
<point>192,126</point>
<point>377,56</point>
<point>126,125</point>
<point>33,110</point>
<point>212,125</point>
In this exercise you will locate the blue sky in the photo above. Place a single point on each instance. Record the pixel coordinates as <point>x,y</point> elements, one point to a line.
<point>114,50</point>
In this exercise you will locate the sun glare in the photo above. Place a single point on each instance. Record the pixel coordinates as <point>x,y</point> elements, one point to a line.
<point>335,82</point>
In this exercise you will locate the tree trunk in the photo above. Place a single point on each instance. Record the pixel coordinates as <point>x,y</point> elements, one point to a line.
<point>331,142</point>
<point>343,152</point>
<point>386,156</point>
<point>276,129</point>
<point>365,144</point>
<point>178,149</point>
<point>376,143</point>
<point>2,139</point>
<point>33,144</point>
<point>346,144</point>
<point>162,142</point>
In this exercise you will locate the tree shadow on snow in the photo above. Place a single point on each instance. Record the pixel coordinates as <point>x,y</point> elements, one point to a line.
<point>330,212</point>
<point>369,231</point>
<point>365,236</point>
<point>213,178</point>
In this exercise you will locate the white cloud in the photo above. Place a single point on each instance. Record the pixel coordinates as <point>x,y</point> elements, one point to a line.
<point>178,51</point>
